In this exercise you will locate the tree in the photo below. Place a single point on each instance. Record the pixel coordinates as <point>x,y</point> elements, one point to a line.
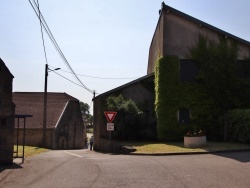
<point>84,107</point>
<point>128,119</point>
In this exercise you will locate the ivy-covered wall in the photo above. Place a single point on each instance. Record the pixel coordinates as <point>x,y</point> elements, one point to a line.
<point>172,95</point>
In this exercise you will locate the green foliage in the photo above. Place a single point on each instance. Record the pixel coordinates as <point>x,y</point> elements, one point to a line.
<point>239,128</point>
<point>218,75</point>
<point>84,107</point>
<point>171,95</point>
<point>128,122</point>
<point>217,63</point>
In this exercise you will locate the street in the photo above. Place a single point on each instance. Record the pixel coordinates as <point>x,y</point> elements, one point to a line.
<point>84,168</point>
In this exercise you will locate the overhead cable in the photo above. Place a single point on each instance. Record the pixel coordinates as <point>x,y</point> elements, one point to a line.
<point>35,7</point>
<point>98,77</point>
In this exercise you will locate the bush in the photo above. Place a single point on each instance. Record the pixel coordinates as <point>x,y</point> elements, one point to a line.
<point>239,126</point>
<point>130,121</point>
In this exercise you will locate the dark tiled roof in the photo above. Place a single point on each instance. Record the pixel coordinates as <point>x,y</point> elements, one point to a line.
<point>203,24</point>
<point>32,103</point>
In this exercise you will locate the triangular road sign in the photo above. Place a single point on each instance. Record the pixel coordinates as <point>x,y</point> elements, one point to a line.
<point>110,116</point>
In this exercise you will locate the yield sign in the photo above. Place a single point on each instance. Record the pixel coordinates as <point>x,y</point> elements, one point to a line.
<point>110,116</point>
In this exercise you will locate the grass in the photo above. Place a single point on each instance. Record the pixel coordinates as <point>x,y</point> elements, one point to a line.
<point>29,150</point>
<point>178,147</point>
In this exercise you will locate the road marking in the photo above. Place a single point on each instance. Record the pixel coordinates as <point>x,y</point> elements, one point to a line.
<point>72,154</point>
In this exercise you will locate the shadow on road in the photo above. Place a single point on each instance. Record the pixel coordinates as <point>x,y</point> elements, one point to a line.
<point>242,156</point>
<point>12,166</point>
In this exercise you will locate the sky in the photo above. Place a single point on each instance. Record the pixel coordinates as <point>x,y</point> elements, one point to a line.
<point>104,39</point>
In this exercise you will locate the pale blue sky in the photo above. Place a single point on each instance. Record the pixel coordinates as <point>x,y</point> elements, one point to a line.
<point>99,38</point>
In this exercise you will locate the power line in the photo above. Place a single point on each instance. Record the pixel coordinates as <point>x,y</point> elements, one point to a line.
<point>68,79</point>
<point>35,7</point>
<point>97,77</point>
<point>42,32</point>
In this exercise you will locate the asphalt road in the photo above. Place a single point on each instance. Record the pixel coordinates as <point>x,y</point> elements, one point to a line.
<point>84,168</point>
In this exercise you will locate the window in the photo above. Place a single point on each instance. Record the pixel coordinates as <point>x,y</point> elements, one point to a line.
<point>183,115</point>
<point>3,122</point>
<point>188,70</point>
<point>243,69</point>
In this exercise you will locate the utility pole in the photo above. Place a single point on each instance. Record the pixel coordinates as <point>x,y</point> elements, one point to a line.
<point>45,107</point>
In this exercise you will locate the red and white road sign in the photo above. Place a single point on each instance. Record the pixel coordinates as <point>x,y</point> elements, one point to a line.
<point>110,116</point>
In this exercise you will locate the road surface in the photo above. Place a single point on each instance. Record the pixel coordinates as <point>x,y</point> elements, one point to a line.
<point>84,168</point>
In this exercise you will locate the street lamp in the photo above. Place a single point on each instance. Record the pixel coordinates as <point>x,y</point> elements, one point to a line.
<point>47,69</point>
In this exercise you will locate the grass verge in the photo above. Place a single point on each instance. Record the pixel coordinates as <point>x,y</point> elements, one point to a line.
<point>29,150</point>
<point>178,147</point>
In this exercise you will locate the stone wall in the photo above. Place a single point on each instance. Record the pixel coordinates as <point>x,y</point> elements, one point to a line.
<point>69,132</point>
<point>7,112</point>
<point>33,137</point>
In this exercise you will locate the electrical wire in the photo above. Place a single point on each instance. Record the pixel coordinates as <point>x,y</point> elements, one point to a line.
<point>97,77</point>
<point>35,7</point>
<point>42,32</point>
<point>70,80</point>
<point>67,79</point>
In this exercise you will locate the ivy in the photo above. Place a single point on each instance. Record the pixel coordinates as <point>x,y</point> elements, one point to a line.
<point>217,63</point>
<point>217,89</point>
<point>171,95</point>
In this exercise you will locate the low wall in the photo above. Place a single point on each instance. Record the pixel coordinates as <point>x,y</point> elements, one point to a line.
<point>109,146</point>
<point>33,137</point>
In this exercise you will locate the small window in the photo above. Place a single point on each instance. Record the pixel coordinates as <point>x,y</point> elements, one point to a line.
<point>188,70</point>
<point>183,115</point>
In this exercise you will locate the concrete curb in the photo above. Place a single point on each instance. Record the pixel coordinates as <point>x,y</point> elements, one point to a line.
<point>188,153</point>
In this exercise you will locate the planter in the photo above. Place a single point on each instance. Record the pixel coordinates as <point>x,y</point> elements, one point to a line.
<point>195,141</point>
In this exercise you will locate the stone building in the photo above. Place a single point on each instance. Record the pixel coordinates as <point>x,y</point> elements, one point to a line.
<point>65,128</point>
<point>175,33</point>
<point>7,115</point>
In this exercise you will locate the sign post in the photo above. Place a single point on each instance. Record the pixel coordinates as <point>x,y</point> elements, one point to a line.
<point>110,117</point>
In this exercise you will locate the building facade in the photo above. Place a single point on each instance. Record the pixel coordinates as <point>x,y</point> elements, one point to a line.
<point>7,115</point>
<point>175,34</point>
<point>64,127</point>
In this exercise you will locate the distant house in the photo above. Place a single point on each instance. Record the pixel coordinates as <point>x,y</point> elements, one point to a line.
<point>65,128</point>
<point>175,33</point>
<point>7,115</point>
